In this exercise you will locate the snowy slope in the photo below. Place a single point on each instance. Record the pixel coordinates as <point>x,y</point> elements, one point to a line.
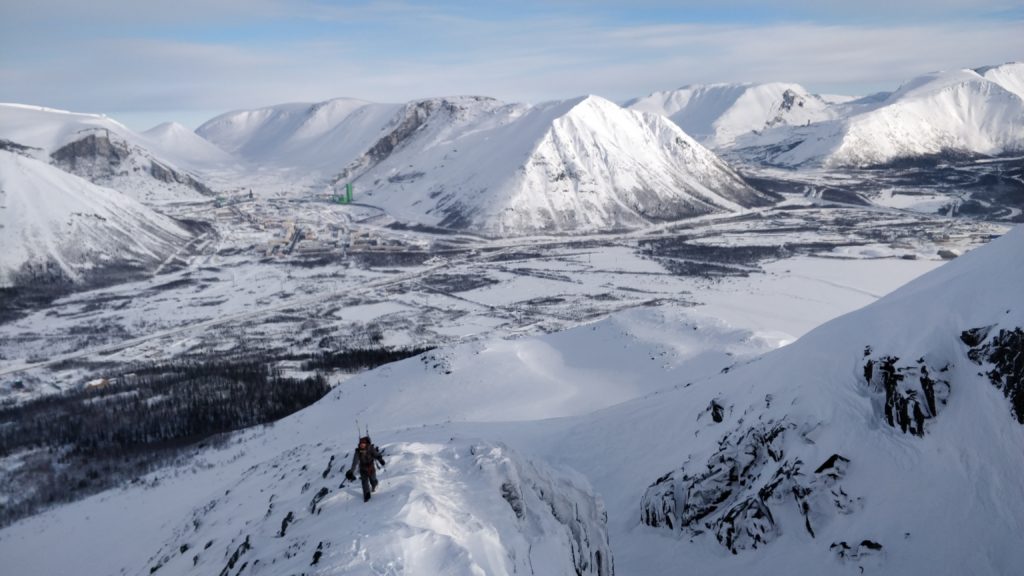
<point>186,147</point>
<point>461,507</point>
<point>717,114</point>
<point>959,113</point>
<point>57,227</point>
<point>322,136</point>
<point>1009,76</point>
<point>584,164</point>
<point>638,416</point>
<point>160,167</point>
<point>863,444</point>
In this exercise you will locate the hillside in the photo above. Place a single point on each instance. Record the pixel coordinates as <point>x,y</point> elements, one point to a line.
<point>858,447</point>
<point>58,228</point>
<point>717,114</point>
<point>107,153</point>
<point>322,136</point>
<point>573,166</point>
<point>957,113</point>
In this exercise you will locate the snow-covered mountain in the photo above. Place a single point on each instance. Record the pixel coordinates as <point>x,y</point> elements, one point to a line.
<point>56,227</point>
<point>866,442</point>
<point>186,147</point>
<point>1009,76</point>
<point>584,164</point>
<point>323,136</point>
<point>962,112</point>
<point>157,167</point>
<point>886,441</point>
<point>717,114</point>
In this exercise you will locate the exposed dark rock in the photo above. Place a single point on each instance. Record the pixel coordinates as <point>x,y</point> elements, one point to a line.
<point>973,338</point>
<point>242,549</point>
<point>317,554</point>
<point>1004,352</point>
<point>97,156</point>
<point>95,151</point>
<point>171,176</point>
<point>856,554</point>
<point>717,411</point>
<point>511,495</point>
<point>835,465</point>
<point>15,147</point>
<point>320,495</point>
<point>729,495</point>
<point>912,395</point>
<point>284,524</point>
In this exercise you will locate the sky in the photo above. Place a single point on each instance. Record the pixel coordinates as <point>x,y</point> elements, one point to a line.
<point>189,60</point>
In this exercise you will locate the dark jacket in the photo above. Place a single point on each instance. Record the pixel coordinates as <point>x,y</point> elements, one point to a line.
<point>364,458</point>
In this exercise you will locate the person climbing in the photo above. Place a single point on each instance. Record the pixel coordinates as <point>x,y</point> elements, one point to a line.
<point>365,456</point>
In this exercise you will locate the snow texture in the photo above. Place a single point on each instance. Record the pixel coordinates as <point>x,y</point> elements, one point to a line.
<point>573,166</point>
<point>956,113</point>
<point>717,114</point>
<point>57,227</point>
<point>811,450</point>
<point>156,167</point>
<point>456,508</point>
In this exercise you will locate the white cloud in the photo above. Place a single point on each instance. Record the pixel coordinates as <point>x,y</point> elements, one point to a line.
<point>429,52</point>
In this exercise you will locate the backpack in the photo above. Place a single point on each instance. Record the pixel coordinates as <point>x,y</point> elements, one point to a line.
<point>365,451</point>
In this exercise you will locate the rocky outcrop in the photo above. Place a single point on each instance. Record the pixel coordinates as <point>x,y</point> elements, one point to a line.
<point>737,492</point>
<point>913,393</point>
<point>16,148</point>
<point>1003,354</point>
<point>413,117</point>
<point>99,157</point>
<point>463,507</point>
<point>165,174</point>
<point>856,554</point>
<point>94,155</point>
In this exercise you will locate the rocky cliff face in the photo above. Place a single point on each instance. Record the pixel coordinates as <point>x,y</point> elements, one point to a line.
<point>1002,353</point>
<point>738,492</point>
<point>100,157</point>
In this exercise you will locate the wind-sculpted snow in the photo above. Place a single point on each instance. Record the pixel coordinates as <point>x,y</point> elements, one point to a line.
<point>456,508</point>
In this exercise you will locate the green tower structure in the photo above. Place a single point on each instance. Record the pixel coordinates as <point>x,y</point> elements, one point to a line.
<point>348,193</point>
